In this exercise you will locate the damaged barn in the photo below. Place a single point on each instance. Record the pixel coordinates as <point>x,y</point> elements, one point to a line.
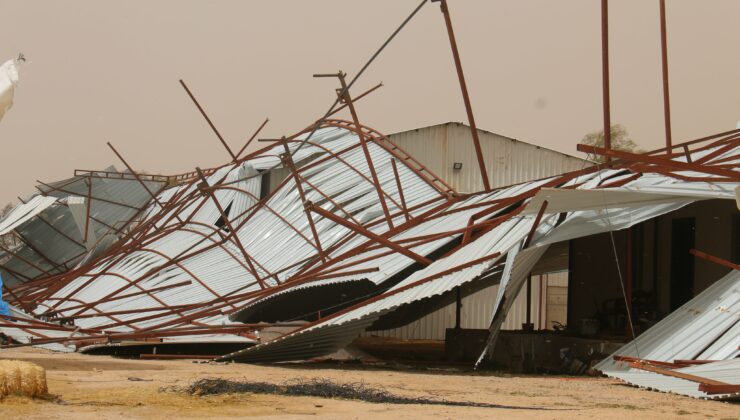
<point>210,260</point>
<point>339,237</point>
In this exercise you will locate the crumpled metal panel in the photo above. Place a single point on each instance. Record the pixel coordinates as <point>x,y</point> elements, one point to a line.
<point>600,212</point>
<point>55,242</point>
<point>24,212</point>
<point>691,331</point>
<point>727,371</point>
<point>269,240</point>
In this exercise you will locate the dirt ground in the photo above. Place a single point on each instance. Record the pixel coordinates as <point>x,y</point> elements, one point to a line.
<point>103,387</point>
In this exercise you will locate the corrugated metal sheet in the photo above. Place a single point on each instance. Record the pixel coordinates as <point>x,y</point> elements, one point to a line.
<point>508,161</point>
<point>692,331</point>
<point>705,328</point>
<point>727,371</point>
<point>476,312</point>
<point>24,212</point>
<point>54,236</point>
<point>271,242</point>
<point>605,214</point>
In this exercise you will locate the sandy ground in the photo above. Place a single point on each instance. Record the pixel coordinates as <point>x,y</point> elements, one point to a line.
<point>102,387</point>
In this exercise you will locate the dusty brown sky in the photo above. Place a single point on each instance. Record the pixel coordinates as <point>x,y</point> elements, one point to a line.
<point>107,71</point>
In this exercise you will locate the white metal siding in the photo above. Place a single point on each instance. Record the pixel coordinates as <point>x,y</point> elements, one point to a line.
<point>476,312</point>
<point>508,161</point>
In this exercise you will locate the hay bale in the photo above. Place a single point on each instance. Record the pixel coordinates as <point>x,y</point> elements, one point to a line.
<point>22,378</point>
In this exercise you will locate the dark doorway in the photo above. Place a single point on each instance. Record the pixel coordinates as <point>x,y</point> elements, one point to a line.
<point>682,263</point>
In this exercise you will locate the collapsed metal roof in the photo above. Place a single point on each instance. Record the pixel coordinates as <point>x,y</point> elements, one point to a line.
<point>68,221</point>
<point>205,252</point>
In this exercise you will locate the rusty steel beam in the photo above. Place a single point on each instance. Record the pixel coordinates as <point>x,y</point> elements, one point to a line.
<point>661,162</point>
<point>536,223</point>
<point>719,389</point>
<point>717,260</point>
<point>466,98</point>
<point>365,150</point>
<point>254,136</point>
<point>89,204</point>
<point>357,98</point>
<point>85,306</point>
<point>368,234</point>
<point>237,241</point>
<point>329,199</point>
<point>287,159</point>
<point>731,134</point>
<point>400,189</point>
<point>664,61</point>
<point>605,76</point>
<point>213,127</point>
<point>642,365</point>
<point>138,178</point>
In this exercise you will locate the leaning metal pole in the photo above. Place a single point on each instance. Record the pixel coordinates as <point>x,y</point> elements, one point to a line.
<point>365,150</point>
<point>466,98</point>
<point>666,96</point>
<point>605,75</point>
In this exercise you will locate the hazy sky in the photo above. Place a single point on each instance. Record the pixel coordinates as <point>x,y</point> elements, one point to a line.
<point>107,71</point>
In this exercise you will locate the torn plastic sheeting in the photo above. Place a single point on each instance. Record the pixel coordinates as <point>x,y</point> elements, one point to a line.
<point>9,76</point>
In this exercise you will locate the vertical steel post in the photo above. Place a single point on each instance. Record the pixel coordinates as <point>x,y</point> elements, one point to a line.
<point>528,323</point>
<point>666,95</point>
<point>605,75</point>
<point>629,329</point>
<point>458,307</point>
<point>87,212</point>
<point>466,97</point>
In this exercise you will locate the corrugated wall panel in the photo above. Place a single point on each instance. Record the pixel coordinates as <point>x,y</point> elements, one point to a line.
<point>476,312</point>
<point>508,161</point>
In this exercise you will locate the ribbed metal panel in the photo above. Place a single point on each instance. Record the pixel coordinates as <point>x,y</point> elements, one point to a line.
<point>476,312</point>
<point>508,161</point>
<point>692,331</point>
<point>727,371</point>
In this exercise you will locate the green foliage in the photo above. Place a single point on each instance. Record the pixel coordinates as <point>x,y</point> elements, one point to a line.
<point>5,210</point>
<point>620,141</point>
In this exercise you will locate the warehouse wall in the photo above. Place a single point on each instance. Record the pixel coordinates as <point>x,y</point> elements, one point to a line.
<point>508,161</point>
<point>549,299</point>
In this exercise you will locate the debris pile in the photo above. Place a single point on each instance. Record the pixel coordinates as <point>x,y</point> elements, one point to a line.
<point>322,388</point>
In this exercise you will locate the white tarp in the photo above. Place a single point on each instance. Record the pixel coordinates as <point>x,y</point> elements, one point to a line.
<point>8,82</point>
